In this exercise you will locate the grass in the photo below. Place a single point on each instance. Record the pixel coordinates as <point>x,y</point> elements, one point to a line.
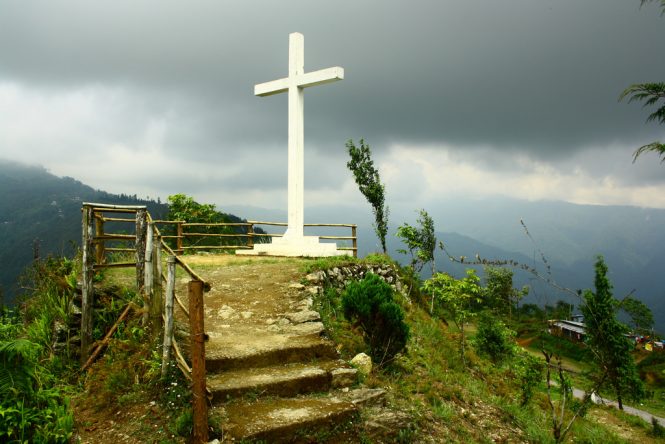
<point>453,403</point>
<point>446,400</point>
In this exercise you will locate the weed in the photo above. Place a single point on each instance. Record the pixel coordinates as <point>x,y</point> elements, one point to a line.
<point>657,430</point>
<point>184,423</point>
<point>443,410</point>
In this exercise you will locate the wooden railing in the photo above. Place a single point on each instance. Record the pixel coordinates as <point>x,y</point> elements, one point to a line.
<point>244,239</point>
<point>157,311</point>
<point>143,250</point>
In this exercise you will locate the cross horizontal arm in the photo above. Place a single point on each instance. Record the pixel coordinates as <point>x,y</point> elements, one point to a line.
<point>306,80</point>
<point>272,87</point>
<point>320,77</point>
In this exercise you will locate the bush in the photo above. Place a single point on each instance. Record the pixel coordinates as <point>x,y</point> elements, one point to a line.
<point>493,338</point>
<point>369,303</point>
<point>29,412</point>
<point>529,371</point>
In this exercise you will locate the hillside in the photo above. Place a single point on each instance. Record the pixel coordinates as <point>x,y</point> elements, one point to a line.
<point>569,235</point>
<point>41,210</point>
<point>278,353</point>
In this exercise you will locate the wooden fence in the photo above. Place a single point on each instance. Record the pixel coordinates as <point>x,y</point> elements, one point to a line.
<point>143,250</point>
<point>245,238</point>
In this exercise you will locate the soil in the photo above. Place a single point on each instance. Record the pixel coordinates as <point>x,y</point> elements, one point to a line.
<point>266,282</point>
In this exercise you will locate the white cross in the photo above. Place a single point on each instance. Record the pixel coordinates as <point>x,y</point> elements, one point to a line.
<point>295,84</point>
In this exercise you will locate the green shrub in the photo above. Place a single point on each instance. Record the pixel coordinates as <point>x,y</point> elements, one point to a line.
<point>29,412</point>
<point>493,338</point>
<point>657,430</point>
<point>529,371</point>
<point>369,303</point>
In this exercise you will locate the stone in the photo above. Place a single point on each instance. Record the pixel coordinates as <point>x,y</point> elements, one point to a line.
<point>226,312</point>
<point>365,397</point>
<point>386,421</point>
<point>297,286</point>
<point>305,304</point>
<point>308,328</point>
<point>343,377</point>
<point>303,316</point>
<point>363,363</point>
<point>313,290</point>
<point>316,277</point>
<point>294,242</point>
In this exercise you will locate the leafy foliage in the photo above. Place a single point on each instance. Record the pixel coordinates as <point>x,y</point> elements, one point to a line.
<point>650,94</point>
<point>32,406</point>
<point>369,183</point>
<point>500,294</point>
<point>605,337</point>
<point>29,411</point>
<point>493,338</point>
<point>640,314</point>
<point>530,371</point>
<point>185,208</point>
<point>458,297</point>
<point>370,304</point>
<point>420,241</point>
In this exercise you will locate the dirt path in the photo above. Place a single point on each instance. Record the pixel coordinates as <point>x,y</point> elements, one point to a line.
<point>626,408</point>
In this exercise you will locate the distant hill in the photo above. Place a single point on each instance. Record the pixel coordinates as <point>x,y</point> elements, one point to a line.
<point>631,239</point>
<point>38,208</point>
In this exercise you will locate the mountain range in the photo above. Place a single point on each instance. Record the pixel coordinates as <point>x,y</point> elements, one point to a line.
<point>40,210</point>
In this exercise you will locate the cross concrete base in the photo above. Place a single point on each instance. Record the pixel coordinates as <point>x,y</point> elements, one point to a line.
<point>305,246</point>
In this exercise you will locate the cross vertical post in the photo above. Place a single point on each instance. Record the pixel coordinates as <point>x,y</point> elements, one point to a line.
<point>294,242</point>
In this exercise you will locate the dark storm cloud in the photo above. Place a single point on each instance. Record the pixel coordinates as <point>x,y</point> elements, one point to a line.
<point>539,77</point>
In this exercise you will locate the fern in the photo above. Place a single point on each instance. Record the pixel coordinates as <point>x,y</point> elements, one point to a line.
<point>18,368</point>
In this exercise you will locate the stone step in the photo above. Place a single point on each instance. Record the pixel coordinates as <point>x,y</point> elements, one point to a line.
<point>279,420</point>
<point>265,350</point>
<point>282,380</point>
<point>285,380</point>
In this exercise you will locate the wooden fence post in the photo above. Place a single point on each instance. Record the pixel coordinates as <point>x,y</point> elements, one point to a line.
<point>168,313</point>
<point>87,290</point>
<point>141,232</point>
<point>179,251</point>
<point>197,336</point>
<point>100,252</point>
<point>157,278</point>
<point>148,279</point>
<point>355,241</point>
<point>250,239</point>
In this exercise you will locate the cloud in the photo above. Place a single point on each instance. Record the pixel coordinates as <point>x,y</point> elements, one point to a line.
<point>520,94</point>
<point>423,176</point>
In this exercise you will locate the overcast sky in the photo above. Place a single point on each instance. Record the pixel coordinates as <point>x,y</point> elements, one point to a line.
<point>458,99</point>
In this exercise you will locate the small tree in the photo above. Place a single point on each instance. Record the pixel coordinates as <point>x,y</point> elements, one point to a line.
<point>369,184</point>
<point>493,338</point>
<point>640,314</point>
<point>370,304</point>
<point>529,371</point>
<point>185,208</point>
<point>605,337</point>
<point>421,243</point>
<point>457,296</point>
<point>501,296</point>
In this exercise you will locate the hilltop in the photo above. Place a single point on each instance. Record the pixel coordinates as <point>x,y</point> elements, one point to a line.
<point>40,213</point>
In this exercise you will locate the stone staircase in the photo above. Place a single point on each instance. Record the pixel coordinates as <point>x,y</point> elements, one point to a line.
<point>272,374</point>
